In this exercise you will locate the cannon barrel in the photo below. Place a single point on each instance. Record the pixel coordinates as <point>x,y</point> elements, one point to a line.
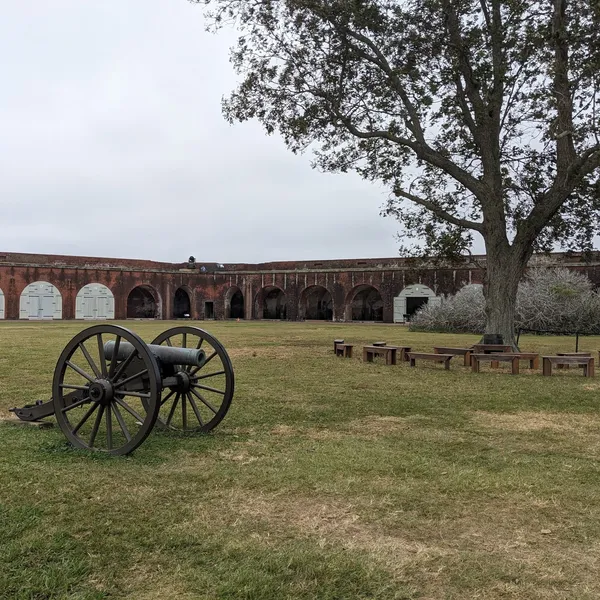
<point>167,354</point>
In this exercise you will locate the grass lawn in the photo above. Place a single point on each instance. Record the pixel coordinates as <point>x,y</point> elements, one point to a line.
<point>328,479</point>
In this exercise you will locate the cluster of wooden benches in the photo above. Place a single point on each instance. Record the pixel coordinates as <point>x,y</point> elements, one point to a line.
<point>472,357</point>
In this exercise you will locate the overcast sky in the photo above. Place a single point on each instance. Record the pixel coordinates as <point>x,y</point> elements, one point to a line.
<point>112,143</point>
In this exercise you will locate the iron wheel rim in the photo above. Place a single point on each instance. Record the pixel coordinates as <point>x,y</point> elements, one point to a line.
<point>123,423</point>
<point>206,404</point>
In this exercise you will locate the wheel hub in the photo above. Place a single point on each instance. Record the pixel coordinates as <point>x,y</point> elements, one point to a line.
<point>102,391</point>
<point>184,382</point>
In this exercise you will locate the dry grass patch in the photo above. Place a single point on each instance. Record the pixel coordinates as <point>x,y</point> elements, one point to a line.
<point>331,523</point>
<point>536,421</point>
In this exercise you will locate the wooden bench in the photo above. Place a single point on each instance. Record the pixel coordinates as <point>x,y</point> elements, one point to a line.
<point>445,358</point>
<point>466,352</point>
<point>492,348</point>
<point>489,348</point>
<point>389,352</point>
<point>476,359</point>
<point>550,361</point>
<point>585,354</point>
<point>335,343</point>
<point>532,357</point>
<point>344,350</point>
<point>402,352</point>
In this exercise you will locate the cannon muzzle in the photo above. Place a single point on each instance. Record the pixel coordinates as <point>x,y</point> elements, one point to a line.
<point>168,355</point>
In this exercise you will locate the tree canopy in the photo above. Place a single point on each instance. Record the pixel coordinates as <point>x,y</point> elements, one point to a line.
<point>480,115</point>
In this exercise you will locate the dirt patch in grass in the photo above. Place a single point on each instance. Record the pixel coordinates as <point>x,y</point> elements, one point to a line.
<point>536,421</point>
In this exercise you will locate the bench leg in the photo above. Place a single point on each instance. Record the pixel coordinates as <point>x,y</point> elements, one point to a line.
<point>515,366</point>
<point>413,362</point>
<point>367,356</point>
<point>494,364</point>
<point>467,359</point>
<point>585,370</point>
<point>547,368</point>
<point>392,357</point>
<point>591,369</point>
<point>347,352</point>
<point>474,365</point>
<point>447,364</point>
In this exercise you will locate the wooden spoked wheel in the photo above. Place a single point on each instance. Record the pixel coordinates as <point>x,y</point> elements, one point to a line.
<point>202,397</point>
<point>106,404</point>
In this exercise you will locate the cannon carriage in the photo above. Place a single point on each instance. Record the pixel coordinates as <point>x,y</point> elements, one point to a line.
<point>110,388</point>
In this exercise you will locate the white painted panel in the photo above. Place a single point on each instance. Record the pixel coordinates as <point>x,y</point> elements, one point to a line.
<point>399,309</point>
<point>40,300</point>
<point>435,301</point>
<point>94,302</point>
<point>1,304</point>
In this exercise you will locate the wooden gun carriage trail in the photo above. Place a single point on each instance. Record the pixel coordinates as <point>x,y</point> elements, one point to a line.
<point>110,388</point>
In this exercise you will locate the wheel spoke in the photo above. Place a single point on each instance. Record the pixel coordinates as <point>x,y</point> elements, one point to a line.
<point>125,381</point>
<point>134,394</point>
<point>130,410</point>
<point>109,439</point>
<point>102,357</point>
<point>208,389</point>
<point>209,375</point>
<point>121,422</point>
<point>124,365</point>
<point>184,340</point>
<point>68,386</point>
<point>184,411</point>
<point>205,402</point>
<point>195,408</point>
<point>113,362</point>
<point>173,407</point>
<point>199,344</point>
<point>166,399</point>
<point>96,426</point>
<point>80,371</point>
<point>87,415</point>
<point>168,340</point>
<point>89,359</point>
<point>76,404</point>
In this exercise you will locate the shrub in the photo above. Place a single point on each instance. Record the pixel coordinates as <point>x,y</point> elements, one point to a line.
<point>548,300</point>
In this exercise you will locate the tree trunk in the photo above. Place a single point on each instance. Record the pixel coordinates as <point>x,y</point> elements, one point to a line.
<point>503,273</point>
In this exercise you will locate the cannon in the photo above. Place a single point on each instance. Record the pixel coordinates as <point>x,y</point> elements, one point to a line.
<point>110,388</point>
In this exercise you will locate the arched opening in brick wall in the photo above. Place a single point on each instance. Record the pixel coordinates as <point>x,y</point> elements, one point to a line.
<point>364,304</point>
<point>40,300</point>
<point>411,299</point>
<point>182,306</point>
<point>95,302</point>
<point>316,303</point>
<point>234,303</point>
<point>143,302</point>
<point>271,304</point>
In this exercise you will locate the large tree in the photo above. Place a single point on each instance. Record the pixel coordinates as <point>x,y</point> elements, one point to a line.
<point>480,115</point>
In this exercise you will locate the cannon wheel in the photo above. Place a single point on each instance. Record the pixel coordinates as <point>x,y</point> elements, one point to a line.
<point>107,415</point>
<point>202,398</point>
